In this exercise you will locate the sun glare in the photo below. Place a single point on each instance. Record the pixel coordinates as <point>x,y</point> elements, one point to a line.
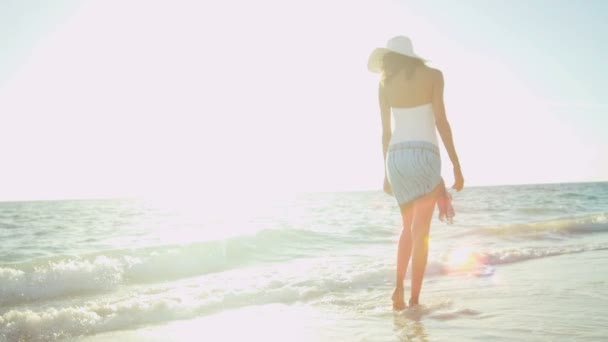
<point>467,260</point>
<point>273,322</point>
<point>460,256</point>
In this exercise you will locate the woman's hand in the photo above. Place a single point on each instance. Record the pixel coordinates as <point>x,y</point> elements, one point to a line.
<point>458,179</point>
<point>387,187</point>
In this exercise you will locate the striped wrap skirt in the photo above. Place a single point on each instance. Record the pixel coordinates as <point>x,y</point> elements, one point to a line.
<point>413,169</point>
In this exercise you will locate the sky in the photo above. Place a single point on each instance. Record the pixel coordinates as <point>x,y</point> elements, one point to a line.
<point>242,99</point>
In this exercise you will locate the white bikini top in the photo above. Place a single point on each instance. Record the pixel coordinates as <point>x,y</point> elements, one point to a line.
<point>414,124</point>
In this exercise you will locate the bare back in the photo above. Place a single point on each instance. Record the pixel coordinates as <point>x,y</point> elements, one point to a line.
<point>423,87</point>
<point>416,91</point>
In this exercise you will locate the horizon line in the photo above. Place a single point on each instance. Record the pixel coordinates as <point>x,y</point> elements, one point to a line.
<point>143,197</point>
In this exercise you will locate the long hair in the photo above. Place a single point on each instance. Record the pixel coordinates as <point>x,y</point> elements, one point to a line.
<point>393,62</point>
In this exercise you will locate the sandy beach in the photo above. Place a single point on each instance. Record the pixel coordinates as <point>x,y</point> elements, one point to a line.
<point>550,299</point>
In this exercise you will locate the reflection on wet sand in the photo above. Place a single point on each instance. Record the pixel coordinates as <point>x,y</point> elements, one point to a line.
<point>408,326</point>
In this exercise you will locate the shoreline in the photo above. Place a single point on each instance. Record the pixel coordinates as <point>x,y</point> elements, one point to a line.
<point>532,300</point>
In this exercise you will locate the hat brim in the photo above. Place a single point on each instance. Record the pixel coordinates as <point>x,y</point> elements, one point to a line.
<point>374,62</point>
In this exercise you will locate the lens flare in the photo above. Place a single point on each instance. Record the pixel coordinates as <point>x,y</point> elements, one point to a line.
<point>465,260</point>
<point>461,257</point>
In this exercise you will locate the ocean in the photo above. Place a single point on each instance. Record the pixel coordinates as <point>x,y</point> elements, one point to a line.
<point>524,262</point>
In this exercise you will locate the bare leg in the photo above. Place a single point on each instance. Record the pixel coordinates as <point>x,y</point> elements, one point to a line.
<point>404,252</point>
<point>423,213</point>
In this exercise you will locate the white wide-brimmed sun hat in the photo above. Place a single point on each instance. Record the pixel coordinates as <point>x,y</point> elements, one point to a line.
<point>399,44</point>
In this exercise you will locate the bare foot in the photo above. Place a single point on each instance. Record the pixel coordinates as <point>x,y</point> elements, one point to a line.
<point>413,302</point>
<point>398,301</point>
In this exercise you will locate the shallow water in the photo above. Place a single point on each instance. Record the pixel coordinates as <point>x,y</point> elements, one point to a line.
<point>94,267</point>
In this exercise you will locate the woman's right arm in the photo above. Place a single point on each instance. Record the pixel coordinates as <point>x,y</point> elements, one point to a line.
<point>385,115</point>
<point>445,131</point>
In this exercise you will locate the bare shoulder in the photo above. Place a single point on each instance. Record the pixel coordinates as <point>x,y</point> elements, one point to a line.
<point>436,74</point>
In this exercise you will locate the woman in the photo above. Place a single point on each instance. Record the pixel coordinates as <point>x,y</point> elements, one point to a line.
<point>413,92</point>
